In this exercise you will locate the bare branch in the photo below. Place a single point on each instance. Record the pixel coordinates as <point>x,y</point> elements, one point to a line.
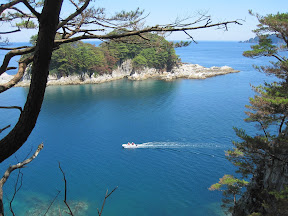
<point>9,32</point>
<point>8,5</point>
<point>17,77</point>
<point>11,107</point>
<point>52,202</point>
<point>11,68</point>
<point>13,48</point>
<point>263,128</point>
<point>190,36</point>
<point>10,170</point>
<point>1,130</point>
<point>281,124</point>
<point>106,196</point>
<point>33,11</point>
<point>65,192</point>
<point>21,12</point>
<point>20,165</point>
<point>76,13</point>
<point>11,54</point>
<point>149,29</point>
<point>16,189</point>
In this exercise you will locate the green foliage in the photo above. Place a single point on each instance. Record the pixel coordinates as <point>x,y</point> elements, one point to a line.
<point>231,187</point>
<point>26,24</point>
<point>154,51</point>
<point>83,58</point>
<point>33,39</point>
<point>277,203</point>
<point>269,107</point>
<point>78,58</point>
<point>139,61</point>
<point>268,110</point>
<point>264,48</point>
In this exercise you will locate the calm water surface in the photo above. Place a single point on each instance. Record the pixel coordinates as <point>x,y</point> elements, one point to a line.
<point>184,127</point>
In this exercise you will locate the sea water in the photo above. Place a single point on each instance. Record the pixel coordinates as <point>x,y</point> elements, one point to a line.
<point>182,127</point>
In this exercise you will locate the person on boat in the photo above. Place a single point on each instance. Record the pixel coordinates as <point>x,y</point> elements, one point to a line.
<point>133,143</point>
<point>128,143</point>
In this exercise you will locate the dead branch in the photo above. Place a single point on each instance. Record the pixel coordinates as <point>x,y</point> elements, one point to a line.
<point>65,191</point>
<point>106,196</point>
<point>10,170</point>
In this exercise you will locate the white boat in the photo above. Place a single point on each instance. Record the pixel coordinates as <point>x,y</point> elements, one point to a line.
<point>129,145</point>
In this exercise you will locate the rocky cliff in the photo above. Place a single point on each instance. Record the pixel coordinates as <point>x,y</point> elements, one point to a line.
<point>272,175</point>
<point>125,70</point>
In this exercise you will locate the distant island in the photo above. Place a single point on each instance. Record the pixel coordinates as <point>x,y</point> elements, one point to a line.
<point>274,38</point>
<point>134,59</point>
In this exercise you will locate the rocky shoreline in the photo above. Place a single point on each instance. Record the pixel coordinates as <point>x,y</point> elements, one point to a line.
<point>187,71</point>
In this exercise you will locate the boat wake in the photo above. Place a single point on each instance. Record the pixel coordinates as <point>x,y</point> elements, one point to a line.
<point>174,145</point>
<point>193,148</point>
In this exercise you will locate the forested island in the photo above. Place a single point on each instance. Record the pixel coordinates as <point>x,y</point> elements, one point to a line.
<point>152,57</point>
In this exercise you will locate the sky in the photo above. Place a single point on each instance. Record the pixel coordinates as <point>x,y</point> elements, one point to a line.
<point>166,11</point>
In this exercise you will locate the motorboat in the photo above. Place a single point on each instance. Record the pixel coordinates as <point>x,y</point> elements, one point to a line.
<point>130,145</point>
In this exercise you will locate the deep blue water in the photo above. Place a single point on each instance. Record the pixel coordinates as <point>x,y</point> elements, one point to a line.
<point>184,126</point>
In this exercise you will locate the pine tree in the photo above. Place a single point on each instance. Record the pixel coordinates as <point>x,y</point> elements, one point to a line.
<point>263,157</point>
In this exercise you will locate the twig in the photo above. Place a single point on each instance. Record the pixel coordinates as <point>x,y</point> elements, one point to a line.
<point>190,36</point>
<point>11,107</point>
<point>19,176</point>
<point>106,196</point>
<point>9,32</point>
<point>65,192</point>
<point>52,202</point>
<point>4,128</point>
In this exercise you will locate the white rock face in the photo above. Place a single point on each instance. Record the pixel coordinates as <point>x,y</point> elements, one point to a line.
<point>125,70</point>
<point>4,78</point>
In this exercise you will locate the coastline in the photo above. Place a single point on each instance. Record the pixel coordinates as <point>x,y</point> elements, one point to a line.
<point>125,70</point>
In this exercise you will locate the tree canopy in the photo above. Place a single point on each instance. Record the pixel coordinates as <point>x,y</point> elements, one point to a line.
<point>261,157</point>
<point>78,57</point>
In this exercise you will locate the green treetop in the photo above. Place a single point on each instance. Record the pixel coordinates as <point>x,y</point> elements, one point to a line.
<point>261,157</point>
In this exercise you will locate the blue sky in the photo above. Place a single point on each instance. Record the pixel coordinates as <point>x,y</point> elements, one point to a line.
<point>166,11</point>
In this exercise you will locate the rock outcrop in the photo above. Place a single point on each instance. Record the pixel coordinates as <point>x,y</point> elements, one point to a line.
<point>126,70</point>
<point>272,175</point>
<point>5,78</point>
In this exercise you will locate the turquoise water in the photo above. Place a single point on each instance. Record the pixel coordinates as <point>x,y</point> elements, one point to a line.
<point>183,127</point>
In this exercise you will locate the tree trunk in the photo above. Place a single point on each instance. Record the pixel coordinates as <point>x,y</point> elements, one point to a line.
<point>48,22</point>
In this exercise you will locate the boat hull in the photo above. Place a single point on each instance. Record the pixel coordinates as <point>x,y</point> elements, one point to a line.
<point>129,146</point>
